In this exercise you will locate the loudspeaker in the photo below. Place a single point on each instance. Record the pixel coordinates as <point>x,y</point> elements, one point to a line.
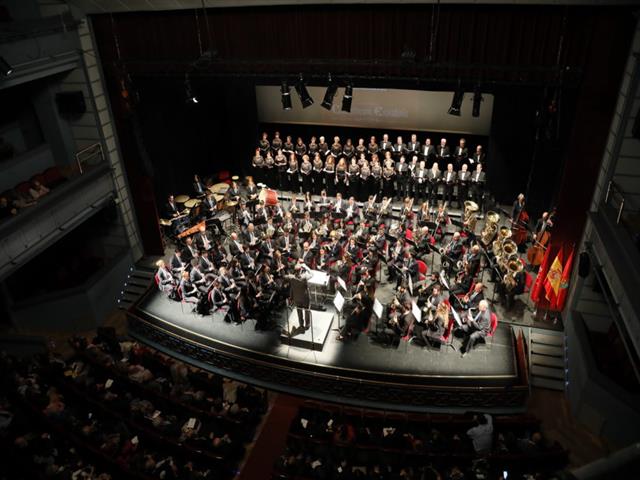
<point>71,103</point>
<point>584,265</point>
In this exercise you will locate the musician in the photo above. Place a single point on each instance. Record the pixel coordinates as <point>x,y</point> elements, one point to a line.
<point>413,146</point>
<point>442,152</point>
<point>292,174</point>
<point>171,208</point>
<point>419,180</point>
<point>359,317</point>
<point>308,203</point>
<point>198,187</point>
<point>477,184</point>
<point>235,246</point>
<point>365,181</point>
<point>478,156</point>
<point>341,180</point>
<point>470,301</point>
<point>305,170</point>
<point>376,176</point>
<point>281,166</point>
<point>424,214</point>
<point>266,248</point>
<point>518,207</point>
<point>276,143</point>
<point>206,265</point>
<point>300,149</point>
<point>299,294</point>
<point>308,257</point>
<point>164,278</point>
<point>398,149</point>
<point>187,289</point>
<point>306,226</point>
<point>398,325</point>
<point>402,174</point>
<point>427,152</point>
<point>190,251</point>
<point>388,176</point>
<point>442,220</point>
<point>385,145</point>
<point>434,299</point>
<point>370,207</point>
<point>251,190</point>
<point>515,288</point>
<point>473,257</point>
<point>348,150</point>
<point>317,175</point>
<point>424,240</point>
<point>461,154</point>
<point>330,176</point>
<point>323,260</point>
<point>406,214</point>
<point>336,147</point>
<point>323,147</point>
<point>233,193</point>
<point>313,148</point>
<point>227,283</point>
<point>280,267</point>
<point>353,178</point>
<point>197,277</point>
<point>209,205</point>
<point>285,243</point>
<point>269,229</point>
<point>464,279</point>
<point>324,204</point>
<point>244,216</point>
<point>258,166</point>
<point>475,327</point>
<point>372,148</point>
<point>203,241</point>
<point>433,180</point>
<point>263,144</point>
<point>449,179</point>
<point>453,252</point>
<point>464,179</point>
<point>288,147</point>
<point>247,262</point>
<point>217,297</point>
<point>270,173</point>
<point>352,210</point>
<point>339,206</point>
<point>361,149</point>
<point>544,224</point>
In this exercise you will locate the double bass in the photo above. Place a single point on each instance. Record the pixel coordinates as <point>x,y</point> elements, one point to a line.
<point>519,229</point>
<point>535,253</point>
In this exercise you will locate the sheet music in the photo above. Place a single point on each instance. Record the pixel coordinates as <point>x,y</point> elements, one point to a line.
<point>377,308</point>
<point>444,281</point>
<point>338,302</point>
<point>319,278</point>
<point>410,285</point>
<point>341,283</point>
<point>456,317</point>
<point>416,312</point>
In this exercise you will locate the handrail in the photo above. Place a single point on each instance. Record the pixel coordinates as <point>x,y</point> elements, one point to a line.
<point>92,151</point>
<point>613,190</point>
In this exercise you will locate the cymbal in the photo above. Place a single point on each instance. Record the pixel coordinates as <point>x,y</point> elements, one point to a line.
<point>218,197</point>
<point>192,202</point>
<point>232,204</point>
<point>182,198</point>
<point>219,188</point>
<point>164,222</point>
<point>235,178</point>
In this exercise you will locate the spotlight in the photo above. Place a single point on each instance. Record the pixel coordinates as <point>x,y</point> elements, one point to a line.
<point>303,93</point>
<point>348,96</point>
<point>191,98</point>
<point>456,102</point>
<point>286,95</point>
<point>477,100</point>
<point>332,88</point>
<point>5,68</point>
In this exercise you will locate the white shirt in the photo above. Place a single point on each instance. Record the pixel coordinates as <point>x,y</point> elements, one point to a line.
<point>482,435</point>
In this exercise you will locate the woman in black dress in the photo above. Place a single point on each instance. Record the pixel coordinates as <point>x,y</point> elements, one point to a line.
<point>341,177</point>
<point>365,183</point>
<point>330,176</point>
<point>388,176</point>
<point>258,166</point>
<point>349,150</point>
<point>305,171</point>
<point>292,174</point>
<point>353,175</point>
<point>317,175</point>
<point>361,149</point>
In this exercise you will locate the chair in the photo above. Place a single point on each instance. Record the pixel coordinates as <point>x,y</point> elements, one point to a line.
<point>493,325</point>
<point>422,270</point>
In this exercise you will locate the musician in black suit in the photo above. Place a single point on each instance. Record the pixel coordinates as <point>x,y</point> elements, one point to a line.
<point>478,156</point>
<point>476,326</point>
<point>461,154</point>
<point>442,151</point>
<point>177,264</point>
<point>428,152</point>
<point>203,241</point>
<point>464,179</point>
<point>196,276</point>
<point>433,180</point>
<point>198,187</point>
<point>398,149</point>
<point>449,179</point>
<point>413,146</point>
<point>472,300</point>
<point>189,251</point>
<point>308,257</point>
<point>398,325</point>
<point>235,245</point>
<point>402,178</point>
<point>477,185</point>
<point>518,207</point>
<point>209,205</point>
<point>171,208</point>
<point>385,144</point>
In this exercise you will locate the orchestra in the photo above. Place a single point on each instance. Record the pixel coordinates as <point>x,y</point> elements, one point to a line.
<point>334,211</point>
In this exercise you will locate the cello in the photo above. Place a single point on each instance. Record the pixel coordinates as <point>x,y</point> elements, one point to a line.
<point>535,253</point>
<point>520,230</point>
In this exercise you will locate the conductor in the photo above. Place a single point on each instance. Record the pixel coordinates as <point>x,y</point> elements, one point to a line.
<point>300,295</point>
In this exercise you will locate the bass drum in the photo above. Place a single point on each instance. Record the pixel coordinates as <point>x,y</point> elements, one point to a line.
<point>268,197</point>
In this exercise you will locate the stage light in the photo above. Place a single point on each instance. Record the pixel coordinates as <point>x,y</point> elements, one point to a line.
<point>456,102</point>
<point>191,98</point>
<point>477,100</point>
<point>332,88</point>
<point>286,95</point>
<point>303,93</point>
<point>5,68</point>
<point>348,96</point>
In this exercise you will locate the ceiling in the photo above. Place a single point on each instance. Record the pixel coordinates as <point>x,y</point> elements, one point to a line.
<point>104,6</point>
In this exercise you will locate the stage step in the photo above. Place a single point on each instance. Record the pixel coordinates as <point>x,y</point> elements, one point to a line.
<point>136,284</point>
<point>547,361</point>
<point>548,383</point>
<point>548,372</point>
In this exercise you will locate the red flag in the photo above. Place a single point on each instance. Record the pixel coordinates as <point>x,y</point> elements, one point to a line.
<point>536,290</point>
<point>564,282</point>
<point>552,280</point>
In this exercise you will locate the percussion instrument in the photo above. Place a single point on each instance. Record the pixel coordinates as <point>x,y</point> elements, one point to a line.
<point>192,202</point>
<point>235,178</point>
<point>182,198</point>
<point>269,197</point>
<point>232,204</point>
<point>164,222</point>
<point>219,188</point>
<point>490,228</point>
<point>191,231</point>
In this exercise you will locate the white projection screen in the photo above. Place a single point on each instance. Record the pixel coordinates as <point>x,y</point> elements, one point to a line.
<point>413,110</point>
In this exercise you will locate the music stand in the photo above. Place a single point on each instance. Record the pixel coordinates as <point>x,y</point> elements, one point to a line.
<point>378,310</point>
<point>338,303</point>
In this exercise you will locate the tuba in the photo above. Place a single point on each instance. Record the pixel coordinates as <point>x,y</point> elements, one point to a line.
<point>469,217</point>
<point>490,228</point>
<point>509,253</point>
<point>514,266</point>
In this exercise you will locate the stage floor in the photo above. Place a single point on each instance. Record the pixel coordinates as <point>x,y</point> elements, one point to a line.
<point>493,363</point>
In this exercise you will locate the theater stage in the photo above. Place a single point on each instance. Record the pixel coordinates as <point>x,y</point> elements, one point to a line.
<point>359,372</point>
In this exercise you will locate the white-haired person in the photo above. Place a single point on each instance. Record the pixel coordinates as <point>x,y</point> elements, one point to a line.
<point>476,326</point>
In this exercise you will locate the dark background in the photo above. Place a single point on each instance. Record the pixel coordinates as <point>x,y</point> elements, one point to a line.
<point>524,55</point>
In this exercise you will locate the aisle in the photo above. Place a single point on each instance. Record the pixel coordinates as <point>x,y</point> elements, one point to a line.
<point>271,440</point>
